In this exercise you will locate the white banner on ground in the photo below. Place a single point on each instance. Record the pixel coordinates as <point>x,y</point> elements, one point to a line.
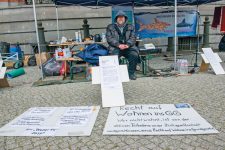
<point>53,121</point>
<point>157,119</point>
<point>214,61</point>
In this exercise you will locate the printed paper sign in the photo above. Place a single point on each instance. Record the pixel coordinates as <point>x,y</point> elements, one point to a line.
<point>158,119</point>
<point>53,121</point>
<point>111,84</point>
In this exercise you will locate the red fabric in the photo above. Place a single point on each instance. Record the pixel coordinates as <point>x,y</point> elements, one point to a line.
<point>223,20</point>
<point>216,17</point>
<point>64,68</point>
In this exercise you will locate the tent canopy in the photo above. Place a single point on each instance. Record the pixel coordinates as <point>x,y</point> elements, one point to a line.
<point>135,3</point>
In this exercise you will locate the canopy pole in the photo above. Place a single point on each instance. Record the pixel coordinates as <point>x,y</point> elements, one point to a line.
<point>198,44</point>
<point>175,34</point>
<point>39,48</point>
<point>57,21</point>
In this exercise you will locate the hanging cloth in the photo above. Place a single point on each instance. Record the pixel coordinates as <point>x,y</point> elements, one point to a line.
<point>223,20</point>
<point>216,17</point>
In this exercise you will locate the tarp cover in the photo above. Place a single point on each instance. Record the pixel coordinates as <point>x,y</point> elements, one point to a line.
<point>131,2</point>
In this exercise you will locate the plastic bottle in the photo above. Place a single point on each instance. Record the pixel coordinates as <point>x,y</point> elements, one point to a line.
<point>79,35</point>
<point>177,67</point>
<point>183,69</point>
<point>88,73</point>
<point>185,66</point>
<point>103,37</point>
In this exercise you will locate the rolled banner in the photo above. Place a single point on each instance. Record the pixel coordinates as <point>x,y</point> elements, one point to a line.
<point>15,73</point>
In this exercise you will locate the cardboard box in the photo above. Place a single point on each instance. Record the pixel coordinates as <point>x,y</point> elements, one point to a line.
<point>63,53</point>
<point>4,83</point>
<point>44,57</point>
<point>9,64</point>
<point>26,59</point>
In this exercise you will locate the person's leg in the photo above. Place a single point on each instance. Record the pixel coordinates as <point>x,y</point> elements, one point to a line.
<point>117,52</point>
<point>133,58</point>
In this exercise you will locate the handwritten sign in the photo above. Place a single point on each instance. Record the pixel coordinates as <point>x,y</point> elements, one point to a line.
<point>53,121</point>
<point>158,119</point>
<point>41,131</point>
<point>75,116</point>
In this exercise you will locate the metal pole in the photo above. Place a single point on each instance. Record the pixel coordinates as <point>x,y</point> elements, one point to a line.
<point>57,20</point>
<point>198,38</point>
<point>198,44</point>
<point>36,27</point>
<point>175,34</point>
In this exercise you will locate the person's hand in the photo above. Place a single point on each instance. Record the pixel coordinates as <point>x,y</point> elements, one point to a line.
<point>123,46</point>
<point>126,46</point>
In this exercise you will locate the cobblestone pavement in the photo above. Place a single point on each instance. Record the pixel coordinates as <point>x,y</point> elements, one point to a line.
<point>204,91</point>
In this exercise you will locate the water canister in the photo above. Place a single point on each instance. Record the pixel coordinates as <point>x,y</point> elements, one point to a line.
<point>15,49</point>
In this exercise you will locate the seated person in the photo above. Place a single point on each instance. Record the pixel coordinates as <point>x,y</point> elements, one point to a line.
<point>121,39</point>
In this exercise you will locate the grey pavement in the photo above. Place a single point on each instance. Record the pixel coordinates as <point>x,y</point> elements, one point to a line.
<point>204,91</point>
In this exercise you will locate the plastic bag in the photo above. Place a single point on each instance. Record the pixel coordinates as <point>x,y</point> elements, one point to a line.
<point>51,67</point>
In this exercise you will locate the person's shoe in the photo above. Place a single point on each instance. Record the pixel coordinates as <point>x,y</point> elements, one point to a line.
<point>132,77</point>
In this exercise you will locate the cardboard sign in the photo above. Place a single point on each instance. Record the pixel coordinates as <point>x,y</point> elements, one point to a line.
<point>2,72</point>
<point>53,121</point>
<point>110,76</point>
<point>157,119</point>
<point>1,63</point>
<point>216,56</point>
<point>213,60</point>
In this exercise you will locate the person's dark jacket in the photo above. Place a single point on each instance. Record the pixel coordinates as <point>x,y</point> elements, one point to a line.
<point>222,44</point>
<point>113,37</point>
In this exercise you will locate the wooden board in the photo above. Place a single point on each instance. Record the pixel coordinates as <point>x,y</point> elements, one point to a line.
<point>4,83</point>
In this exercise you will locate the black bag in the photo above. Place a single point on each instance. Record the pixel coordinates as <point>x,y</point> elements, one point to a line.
<point>32,61</point>
<point>222,44</point>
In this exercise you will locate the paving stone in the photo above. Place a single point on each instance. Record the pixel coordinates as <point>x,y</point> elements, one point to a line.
<point>205,92</point>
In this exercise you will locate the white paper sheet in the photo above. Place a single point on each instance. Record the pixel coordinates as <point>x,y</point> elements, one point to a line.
<point>96,79</point>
